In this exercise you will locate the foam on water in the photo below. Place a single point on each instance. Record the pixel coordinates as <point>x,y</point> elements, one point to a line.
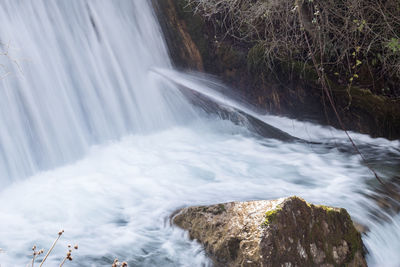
<point>117,201</point>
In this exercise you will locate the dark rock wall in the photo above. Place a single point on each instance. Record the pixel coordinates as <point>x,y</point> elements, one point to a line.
<point>291,89</point>
<point>183,50</point>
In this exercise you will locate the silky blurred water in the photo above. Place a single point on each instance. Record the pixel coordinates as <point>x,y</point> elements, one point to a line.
<point>117,201</point>
<point>96,139</point>
<point>78,77</point>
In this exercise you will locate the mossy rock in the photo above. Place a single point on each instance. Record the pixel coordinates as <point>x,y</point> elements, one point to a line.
<point>283,232</point>
<point>308,235</point>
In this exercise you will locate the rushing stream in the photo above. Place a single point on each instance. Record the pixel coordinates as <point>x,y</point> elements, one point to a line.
<point>97,138</point>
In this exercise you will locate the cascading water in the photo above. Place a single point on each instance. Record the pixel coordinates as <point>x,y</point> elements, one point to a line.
<point>78,77</point>
<point>80,94</point>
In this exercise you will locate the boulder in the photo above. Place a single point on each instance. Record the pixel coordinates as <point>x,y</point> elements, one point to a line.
<point>282,232</point>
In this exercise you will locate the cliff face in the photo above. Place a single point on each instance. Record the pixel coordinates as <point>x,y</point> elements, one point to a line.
<point>283,232</point>
<point>292,89</point>
<point>183,50</point>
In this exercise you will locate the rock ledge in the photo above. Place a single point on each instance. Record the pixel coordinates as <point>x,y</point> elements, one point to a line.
<point>283,232</point>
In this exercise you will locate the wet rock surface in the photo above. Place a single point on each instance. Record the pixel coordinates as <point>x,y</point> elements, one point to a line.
<point>292,89</point>
<point>283,232</point>
<point>182,48</point>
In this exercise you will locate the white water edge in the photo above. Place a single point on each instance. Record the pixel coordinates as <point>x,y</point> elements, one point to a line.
<point>93,143</point>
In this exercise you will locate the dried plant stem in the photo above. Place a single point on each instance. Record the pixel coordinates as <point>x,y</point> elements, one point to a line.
<point>62,263</point>
<point>51,248</point>
<point>33,260</point>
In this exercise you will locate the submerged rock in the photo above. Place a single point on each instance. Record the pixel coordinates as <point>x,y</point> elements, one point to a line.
<point>283,232</point>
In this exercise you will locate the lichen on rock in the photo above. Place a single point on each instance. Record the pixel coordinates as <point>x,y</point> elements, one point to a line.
<point>282,232</point>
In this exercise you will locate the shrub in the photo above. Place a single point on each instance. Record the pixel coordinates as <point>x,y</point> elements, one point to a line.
<point>356,41</point>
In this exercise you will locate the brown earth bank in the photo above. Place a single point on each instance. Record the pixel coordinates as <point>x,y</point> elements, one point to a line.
<point>283,232</point>
<point>291,89</point>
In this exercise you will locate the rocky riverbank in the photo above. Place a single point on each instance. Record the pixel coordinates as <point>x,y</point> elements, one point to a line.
<point>291,89</point>
<point>283,232</point>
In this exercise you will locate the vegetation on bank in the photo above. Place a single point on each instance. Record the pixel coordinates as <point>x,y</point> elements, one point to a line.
<point>351,42</point>
<point>280,54</point>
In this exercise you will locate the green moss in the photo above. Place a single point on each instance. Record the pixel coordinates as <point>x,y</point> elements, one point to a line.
<point>379,115</point>
<point>270,216</point>
<point>257,62</point>
<point>352,237</point>
<point>327,209</point>
<point>221,208</point>
<point>300,70</point>
<point>256,58</point>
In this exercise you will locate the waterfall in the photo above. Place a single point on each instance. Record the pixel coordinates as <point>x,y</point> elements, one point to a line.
<point>104,145</point>
<point>77,76</point>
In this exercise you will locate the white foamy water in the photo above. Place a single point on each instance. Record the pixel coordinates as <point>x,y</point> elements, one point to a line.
<point>117,201</point>
<point>94,143</point>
